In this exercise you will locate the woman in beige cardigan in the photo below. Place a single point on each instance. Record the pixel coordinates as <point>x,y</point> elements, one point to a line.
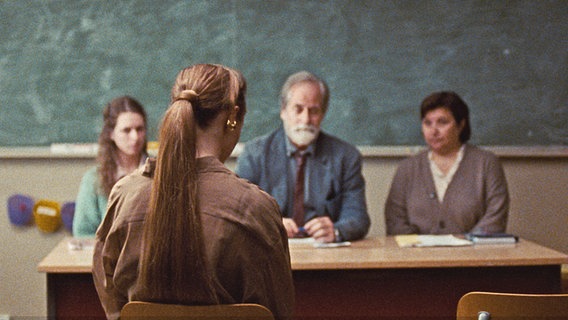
<point>453,187</point>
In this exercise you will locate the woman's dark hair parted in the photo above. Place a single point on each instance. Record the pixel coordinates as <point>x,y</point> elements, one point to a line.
<point>454,103</point>
<point>107,156</point>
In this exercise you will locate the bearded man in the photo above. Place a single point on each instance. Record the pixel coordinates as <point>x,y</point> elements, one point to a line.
<point>315,177</point>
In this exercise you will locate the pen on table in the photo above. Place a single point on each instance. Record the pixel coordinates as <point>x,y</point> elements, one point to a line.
<point>302,232</point>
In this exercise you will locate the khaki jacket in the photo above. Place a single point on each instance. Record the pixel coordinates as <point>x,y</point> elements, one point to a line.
<point>245,242</point>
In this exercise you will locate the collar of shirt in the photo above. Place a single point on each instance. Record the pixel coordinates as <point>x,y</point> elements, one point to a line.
<point>291,149</point>
<point>442,181</point>
<point>121,172</point>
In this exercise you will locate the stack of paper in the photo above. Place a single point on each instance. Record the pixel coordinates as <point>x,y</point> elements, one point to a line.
<point>81,244</point>
<point>444,240</point>
<point>312,242</point>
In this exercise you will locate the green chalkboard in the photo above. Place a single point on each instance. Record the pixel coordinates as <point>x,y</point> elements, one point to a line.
<point>62,60</point>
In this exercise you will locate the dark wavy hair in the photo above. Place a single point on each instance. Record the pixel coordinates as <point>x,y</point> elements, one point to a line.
<point>454,103</point>
<point>108,151</point>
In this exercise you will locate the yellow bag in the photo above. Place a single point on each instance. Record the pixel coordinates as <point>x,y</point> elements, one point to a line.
<point>47,215</point>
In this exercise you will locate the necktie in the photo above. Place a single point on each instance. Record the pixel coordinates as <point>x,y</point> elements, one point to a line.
<point>299,189</point>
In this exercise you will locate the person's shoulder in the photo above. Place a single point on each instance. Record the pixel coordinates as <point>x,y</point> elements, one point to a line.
<point>265,139</point>
<point>252,208</point>
<point>133,183</point>
<point>336,144</point>
<point>253,202</point>
<point>91,175</point>
<point>479,153</point>
<point>129,198</point>
<point>92,171</point>
<point>326,138</point>
<point>252,194</point>
<point>260,148</point>
<point>216,177</point>
<point>260,211</point>
<point>477,150</point>
<point>414,160</point>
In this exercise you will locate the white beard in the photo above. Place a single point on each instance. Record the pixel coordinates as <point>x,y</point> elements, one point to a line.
<point>302,135</point>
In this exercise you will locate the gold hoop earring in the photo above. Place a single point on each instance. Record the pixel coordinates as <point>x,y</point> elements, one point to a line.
<point>231,125</point>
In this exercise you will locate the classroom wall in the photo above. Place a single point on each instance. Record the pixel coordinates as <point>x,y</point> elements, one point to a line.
<point>539,212</point>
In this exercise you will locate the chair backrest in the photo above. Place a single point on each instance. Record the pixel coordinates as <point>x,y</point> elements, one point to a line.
<point>150,310</point>
<point>509,306</point>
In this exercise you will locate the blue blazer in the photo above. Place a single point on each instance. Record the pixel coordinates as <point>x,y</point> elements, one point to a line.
<point>336,184</point>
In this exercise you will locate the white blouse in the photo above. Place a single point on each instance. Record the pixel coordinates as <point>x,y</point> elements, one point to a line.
<point>442,181</point>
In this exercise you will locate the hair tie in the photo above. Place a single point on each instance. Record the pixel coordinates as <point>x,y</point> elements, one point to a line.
<point>189,95</point>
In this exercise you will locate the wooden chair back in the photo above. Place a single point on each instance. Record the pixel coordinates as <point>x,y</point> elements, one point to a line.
<point>509,306</point>
<point>149,310</point>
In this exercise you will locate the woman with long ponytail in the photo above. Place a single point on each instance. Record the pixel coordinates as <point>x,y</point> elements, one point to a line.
<point>186,229</point>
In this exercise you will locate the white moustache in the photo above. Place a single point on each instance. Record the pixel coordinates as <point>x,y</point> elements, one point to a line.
<point>305,128</point>
<point>303,135</point>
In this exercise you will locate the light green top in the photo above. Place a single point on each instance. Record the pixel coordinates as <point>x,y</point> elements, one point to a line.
<point>90,205</point>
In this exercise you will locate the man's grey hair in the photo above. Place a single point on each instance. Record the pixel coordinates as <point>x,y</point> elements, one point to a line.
<point>304,76</point>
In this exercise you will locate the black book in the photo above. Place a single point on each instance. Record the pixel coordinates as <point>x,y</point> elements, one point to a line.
<point>492,238</point>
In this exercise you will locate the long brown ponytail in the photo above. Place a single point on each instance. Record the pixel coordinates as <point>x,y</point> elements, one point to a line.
<point>173,263</point>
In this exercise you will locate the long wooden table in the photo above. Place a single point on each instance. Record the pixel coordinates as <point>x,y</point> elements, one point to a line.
<point>371,279</point>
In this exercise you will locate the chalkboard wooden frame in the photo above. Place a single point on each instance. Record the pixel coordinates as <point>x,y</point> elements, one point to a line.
<point>368,152</point>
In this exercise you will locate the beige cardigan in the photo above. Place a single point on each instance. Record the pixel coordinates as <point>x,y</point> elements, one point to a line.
<point>476,199</point>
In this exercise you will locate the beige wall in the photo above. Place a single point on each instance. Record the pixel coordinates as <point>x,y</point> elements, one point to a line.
<point>539,212</point>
